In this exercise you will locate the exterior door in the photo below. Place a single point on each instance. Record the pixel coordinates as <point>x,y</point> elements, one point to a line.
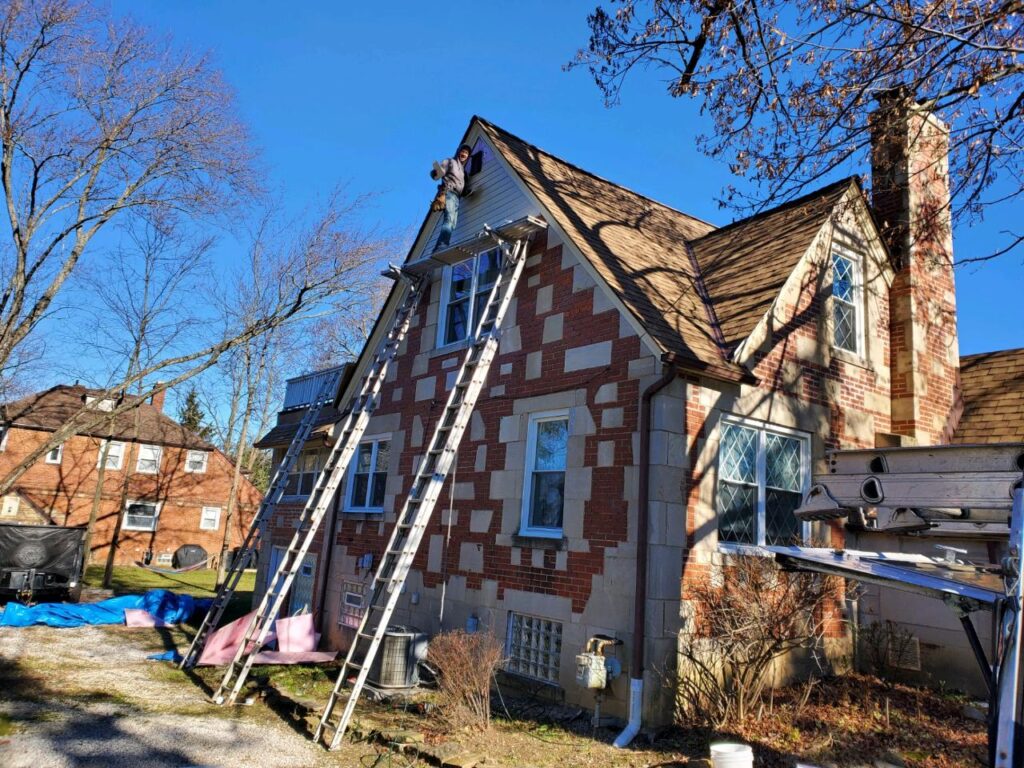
<point>302,587</point>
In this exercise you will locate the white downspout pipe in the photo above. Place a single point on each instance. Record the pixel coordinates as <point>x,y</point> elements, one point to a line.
<point>636,705</point>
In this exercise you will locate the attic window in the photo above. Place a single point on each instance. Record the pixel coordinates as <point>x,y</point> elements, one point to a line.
<point>104,404</point>
<point>846,304</point>
<point>466,288</point>
<point>476,162</point>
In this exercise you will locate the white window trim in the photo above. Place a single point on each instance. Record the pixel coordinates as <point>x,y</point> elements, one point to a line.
<point>762,428</point>
<point>159,459</point>
<point>206,461</point>
<point>60,455</point>
<point>442,310</point>
<point>531,454</point>
<point>350,480</point>
<point>120,456</point>
<point>298,459</point>
<point>156,518</point>
<point>105,404</point>
<point>202,522</point>
<point>4,431</point>
<point>858,301</point>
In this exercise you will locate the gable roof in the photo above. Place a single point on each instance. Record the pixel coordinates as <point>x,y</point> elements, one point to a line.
<point>992,385</point>
<point>52,408</point>
<point>745,264</point>
<point>697,290</point>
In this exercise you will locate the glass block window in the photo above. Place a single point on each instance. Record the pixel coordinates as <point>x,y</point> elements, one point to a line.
<point>368,476</point>
<point>762,476</point>
<point>845,304</point>
<point>141,516</point>
<point>544,491</point>
<point>534,647</point>
<point>466,289</point>
<point>351,604</point>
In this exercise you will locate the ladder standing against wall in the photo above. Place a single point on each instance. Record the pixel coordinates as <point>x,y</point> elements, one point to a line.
<point>352,427</point>
<point>326,394</point>
<point>433,470</point>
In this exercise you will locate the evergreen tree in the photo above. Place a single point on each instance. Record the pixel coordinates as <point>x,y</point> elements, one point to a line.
<point>191,416</point>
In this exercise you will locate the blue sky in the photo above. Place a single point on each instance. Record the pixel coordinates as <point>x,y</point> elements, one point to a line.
<point>367,94</point>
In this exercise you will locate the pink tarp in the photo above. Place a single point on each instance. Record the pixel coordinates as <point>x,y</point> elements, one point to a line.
<point>136,617</point>
<point>295,636</point>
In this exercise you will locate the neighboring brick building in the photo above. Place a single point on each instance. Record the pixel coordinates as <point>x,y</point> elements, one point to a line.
<point>757,346</point>
<point>175,485</point>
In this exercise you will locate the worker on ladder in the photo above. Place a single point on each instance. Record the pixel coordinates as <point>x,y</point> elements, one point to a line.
<point>452,175</point>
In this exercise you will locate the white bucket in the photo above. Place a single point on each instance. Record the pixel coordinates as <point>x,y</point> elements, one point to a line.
<point>732,756</point>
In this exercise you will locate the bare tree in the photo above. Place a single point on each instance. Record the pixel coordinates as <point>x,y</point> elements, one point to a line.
<point>789,86</point>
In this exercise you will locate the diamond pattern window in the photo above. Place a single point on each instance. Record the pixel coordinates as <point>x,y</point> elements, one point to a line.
<point>534,647</point>
<point>368,476</point>
<point>762,475</point>
<point>845,303</point>
<point>466,289</point>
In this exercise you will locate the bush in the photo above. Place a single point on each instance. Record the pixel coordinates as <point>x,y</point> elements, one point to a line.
<point>742,622</point>
<point>466,664</point>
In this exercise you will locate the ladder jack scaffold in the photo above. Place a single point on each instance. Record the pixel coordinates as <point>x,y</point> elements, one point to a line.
<point>966,490</point>
<point>511,241</point>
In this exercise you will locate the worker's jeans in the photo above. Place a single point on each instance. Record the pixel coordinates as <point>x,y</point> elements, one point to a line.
<point>450,218</point>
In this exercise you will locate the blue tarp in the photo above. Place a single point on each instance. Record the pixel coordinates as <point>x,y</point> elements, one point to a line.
<point>169,607</point>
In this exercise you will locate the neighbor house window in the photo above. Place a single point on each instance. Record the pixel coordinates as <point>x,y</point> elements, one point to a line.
<point>55,455</point>
<point>115,454</point>
<point>3,438</point>
<point>762,476</point>
<point>534,646</point>
<point>544,486</point>
<point>209,520</point>
<point>148,462</point>
<point>195,461</point>
<point>466,288</point>
<point>846,313</point>
<point>141,516</point>
<point>302,478</point>
<point>368,476</point>
<point>100,404</point>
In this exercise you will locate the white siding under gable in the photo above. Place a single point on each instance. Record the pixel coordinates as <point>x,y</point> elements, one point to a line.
<point>496,199</point>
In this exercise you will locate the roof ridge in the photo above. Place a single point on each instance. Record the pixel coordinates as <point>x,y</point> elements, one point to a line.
<point>593,175</point>
<point>993,352</point>
<point>783,206</point>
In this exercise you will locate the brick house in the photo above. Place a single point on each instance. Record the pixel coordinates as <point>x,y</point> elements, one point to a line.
<point>174,492</point>
<point>663,387</point>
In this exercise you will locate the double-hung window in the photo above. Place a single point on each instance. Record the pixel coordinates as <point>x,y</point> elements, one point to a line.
<point>302,478</point>
<point>544,481</point>
<point>141,516</point>
<point>148,462</point>
<point>195,462</point>
<point>368,476</point>
<point>55,455</point>
<point>114,452</point>
<point>846,304</point>
<point>466,288</point>
<point>209,519</point>
<point>762,476</point>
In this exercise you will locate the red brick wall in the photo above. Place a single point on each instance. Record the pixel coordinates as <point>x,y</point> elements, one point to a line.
<point>66,491</point>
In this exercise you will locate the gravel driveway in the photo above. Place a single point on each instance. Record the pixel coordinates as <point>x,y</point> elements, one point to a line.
<point>88,697</point>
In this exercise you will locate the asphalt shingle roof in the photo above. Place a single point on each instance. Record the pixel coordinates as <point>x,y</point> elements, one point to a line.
<point>992,384</point>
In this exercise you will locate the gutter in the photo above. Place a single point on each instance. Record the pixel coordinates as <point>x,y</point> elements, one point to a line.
<point>636,683</point>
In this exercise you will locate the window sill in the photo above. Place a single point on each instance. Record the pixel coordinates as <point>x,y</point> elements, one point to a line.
<point>363,514</point>
<point>447,349</point>
<point>539,541</point>
<point>733,548</point>
<point>139,530</point>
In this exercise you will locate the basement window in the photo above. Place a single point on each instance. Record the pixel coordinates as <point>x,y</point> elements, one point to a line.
<point>544,489</point>
<point>762,476</point>
<point>846,304</point>
<point>533,647</point>
<point>464,293</point>
<point>141,516</point>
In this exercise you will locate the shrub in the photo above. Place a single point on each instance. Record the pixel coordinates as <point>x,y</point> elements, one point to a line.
<point>466,664</point>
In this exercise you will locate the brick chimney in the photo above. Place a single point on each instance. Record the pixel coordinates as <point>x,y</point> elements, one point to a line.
<point>910,195</point>
<point>157,400</point>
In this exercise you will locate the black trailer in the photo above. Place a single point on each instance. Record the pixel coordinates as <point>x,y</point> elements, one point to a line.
<point>40,562</point>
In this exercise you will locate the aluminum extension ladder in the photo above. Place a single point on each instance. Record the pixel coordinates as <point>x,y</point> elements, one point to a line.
<point>425,489</point>
<point>319,502</point>
<point>211,621</point>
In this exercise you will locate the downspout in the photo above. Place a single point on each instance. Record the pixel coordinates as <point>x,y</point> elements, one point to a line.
<point>636,683</point>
